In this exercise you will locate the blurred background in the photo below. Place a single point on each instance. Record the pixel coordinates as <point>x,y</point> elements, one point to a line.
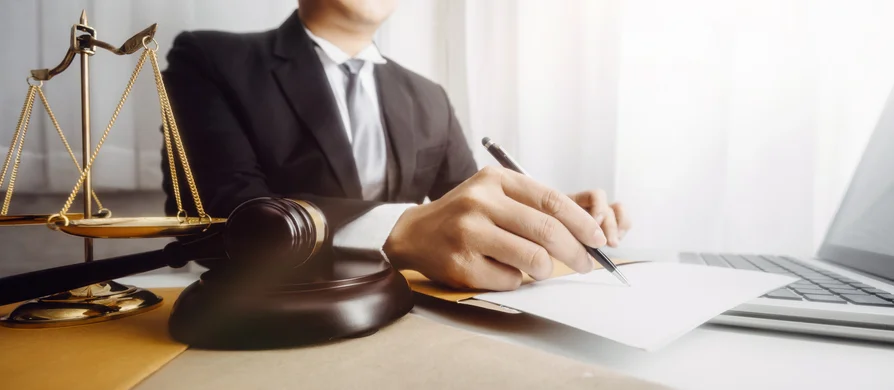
<point>727,125</point>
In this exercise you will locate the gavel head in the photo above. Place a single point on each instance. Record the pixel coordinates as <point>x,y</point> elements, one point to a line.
<point>278,230</point>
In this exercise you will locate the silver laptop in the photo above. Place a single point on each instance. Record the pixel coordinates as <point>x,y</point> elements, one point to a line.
<point>847,289</point>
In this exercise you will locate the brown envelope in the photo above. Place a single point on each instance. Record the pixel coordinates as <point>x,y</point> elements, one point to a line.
<point>423,285</point>
<point>115,354</point>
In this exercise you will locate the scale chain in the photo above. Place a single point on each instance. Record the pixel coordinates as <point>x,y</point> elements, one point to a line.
<point>166,132</point>
<point>169,116</point>
<point>71,154</point>
<point>17,144</point>
<point>18,140</point>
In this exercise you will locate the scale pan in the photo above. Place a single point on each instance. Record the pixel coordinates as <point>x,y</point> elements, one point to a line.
<point>140,227</point>
<point>32,219</point>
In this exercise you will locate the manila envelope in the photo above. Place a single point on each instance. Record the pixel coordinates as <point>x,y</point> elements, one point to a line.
<point>113,355</point>
<point>420,284</point>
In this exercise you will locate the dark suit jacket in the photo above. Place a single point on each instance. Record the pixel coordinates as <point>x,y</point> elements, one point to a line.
<point>258,118</point>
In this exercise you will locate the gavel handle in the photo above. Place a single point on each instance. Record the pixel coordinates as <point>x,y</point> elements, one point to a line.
<point>50,281</point>
<point>37,284</point>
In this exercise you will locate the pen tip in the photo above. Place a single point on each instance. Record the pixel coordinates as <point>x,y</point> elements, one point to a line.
<point>486,142</point>
<point>621,277</point>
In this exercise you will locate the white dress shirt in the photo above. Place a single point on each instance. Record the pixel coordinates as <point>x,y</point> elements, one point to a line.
<point>368,233</point>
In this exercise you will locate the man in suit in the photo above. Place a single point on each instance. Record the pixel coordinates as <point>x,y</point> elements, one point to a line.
<point>312,111</point>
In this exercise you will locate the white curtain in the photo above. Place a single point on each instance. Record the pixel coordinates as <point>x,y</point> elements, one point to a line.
<point>39,36</point>
<point>722,125</point>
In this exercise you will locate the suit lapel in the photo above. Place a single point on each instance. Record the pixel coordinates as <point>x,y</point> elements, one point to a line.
<point>397,109</point>
<point>303,81</point>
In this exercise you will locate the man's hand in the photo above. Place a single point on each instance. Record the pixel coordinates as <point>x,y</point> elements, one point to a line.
<point>488,230</point>
<point>611,217</point>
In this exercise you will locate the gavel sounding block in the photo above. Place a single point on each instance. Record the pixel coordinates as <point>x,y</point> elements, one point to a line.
<point>412,353</point>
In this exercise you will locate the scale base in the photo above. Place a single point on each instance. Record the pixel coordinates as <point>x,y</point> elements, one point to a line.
<point>94,303</point>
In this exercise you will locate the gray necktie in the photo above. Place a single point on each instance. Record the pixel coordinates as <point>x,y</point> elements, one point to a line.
<point>368,137</point>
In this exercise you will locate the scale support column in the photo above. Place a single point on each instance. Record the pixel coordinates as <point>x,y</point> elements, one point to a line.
<point>86,49</point>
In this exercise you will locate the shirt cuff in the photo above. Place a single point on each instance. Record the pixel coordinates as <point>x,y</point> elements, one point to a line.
<point>367,234</point>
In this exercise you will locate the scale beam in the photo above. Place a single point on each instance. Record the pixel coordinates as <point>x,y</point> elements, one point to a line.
<point>83,35</point>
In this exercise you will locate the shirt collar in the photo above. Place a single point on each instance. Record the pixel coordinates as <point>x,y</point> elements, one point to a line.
<point>370,53</point>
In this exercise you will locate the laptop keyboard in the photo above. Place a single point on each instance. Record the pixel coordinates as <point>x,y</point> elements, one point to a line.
<point>817,284</point>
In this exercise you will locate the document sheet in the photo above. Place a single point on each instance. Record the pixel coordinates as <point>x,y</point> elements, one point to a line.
<point>664,302</point>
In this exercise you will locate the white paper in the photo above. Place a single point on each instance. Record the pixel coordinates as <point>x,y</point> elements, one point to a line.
<point>665,300</point>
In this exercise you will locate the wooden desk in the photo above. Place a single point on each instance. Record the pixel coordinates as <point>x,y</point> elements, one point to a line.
<point>413,353</point>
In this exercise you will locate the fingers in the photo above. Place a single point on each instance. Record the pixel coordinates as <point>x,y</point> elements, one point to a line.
<point>587,200</point>
<point>518,252</point>
<point>610,227</point>
<point>487,274</point>
<point>544,232</point>
<point>624,223</point>
<point>553,203</point>
<point>596,203</point>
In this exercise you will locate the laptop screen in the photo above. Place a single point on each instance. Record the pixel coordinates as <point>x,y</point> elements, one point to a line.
<point>862,234</point>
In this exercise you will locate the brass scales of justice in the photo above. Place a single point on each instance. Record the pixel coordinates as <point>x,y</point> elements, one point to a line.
<point>107,300</point>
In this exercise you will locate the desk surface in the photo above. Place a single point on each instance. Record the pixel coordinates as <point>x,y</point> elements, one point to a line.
<point>710,357</point>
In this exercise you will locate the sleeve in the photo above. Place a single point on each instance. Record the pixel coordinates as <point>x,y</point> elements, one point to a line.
<point>222,158</point>
<point>366,235</point>
<point>459,163</point>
